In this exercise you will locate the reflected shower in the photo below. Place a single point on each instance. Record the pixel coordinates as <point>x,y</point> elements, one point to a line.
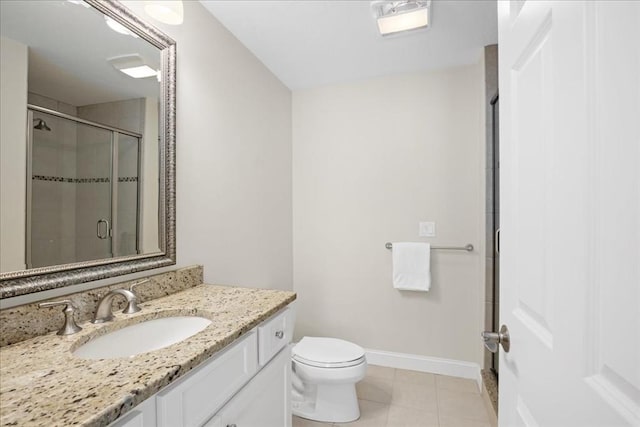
<point>41,125</point>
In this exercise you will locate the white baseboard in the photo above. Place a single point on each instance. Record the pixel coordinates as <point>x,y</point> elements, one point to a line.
<point>434,365</point>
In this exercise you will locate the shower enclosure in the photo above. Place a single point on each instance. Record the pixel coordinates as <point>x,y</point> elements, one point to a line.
<point>83,189</point>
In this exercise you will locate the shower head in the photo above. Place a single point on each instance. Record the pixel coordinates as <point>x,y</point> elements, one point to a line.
<point>41,125</point>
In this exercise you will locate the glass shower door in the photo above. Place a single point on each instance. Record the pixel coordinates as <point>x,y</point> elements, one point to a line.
<point>69,215</point>
<point>84,191</point>
<point>127,190</point>
<point>93,193</point>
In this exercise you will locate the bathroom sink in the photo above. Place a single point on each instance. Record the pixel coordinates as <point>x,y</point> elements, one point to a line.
<point>142,337</point>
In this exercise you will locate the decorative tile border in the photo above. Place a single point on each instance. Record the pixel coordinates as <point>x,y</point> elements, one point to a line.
<point>90,180</point>
<point>52,178</point>
<point>128,179</point>
<point>82,180</point>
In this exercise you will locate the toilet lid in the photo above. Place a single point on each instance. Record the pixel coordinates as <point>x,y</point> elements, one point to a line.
<point>327,352</point>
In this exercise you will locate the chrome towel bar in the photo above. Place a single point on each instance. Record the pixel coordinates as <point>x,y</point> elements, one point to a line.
<point>468,247</point>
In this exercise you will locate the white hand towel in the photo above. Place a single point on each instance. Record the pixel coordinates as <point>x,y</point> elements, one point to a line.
<point>411,266</point>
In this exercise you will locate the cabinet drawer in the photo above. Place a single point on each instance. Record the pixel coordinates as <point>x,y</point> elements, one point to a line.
<point>274,334</point>
<point>196,397</point>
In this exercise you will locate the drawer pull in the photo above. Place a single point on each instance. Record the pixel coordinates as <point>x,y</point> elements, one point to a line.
<point>279,334</point>
<point>231,425</point>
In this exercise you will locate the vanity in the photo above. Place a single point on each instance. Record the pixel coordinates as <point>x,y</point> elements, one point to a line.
<point>236,371</point>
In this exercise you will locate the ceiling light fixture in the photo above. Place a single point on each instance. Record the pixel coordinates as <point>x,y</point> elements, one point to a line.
<point>398,16</point>
<point>168,11</point>
<point>133,66</point>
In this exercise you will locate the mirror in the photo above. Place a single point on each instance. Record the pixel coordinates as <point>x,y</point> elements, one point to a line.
<point>87,144</point>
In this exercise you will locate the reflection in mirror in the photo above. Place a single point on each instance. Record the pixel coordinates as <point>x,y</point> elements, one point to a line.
<point>80,98</point>
<point>88,184</point>
<point>86,188</point>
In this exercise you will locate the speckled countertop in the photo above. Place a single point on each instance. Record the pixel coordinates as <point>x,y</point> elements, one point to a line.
<point>42,383</point>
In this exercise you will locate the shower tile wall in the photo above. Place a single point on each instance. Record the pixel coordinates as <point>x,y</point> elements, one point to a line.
<point>53,212</point>
<point>128,114</point>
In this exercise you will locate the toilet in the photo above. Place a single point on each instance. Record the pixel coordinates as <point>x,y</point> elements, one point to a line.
<point>325,373</point>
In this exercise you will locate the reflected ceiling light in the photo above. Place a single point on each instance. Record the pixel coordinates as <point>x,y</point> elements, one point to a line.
<point>398,16</point>
<point>133,66</point>
<point>79,2</point>
<point>118,27</point>
<point>168,11</point>
<point>140,72</point>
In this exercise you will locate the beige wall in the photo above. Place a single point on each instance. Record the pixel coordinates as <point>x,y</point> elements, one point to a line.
<point>234,157</point>
<point>371,160</point>
<point>13,113</point>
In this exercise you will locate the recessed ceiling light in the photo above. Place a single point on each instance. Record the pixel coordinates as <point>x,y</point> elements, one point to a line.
<point>398,16</point>
<point>118,27</point>
<point>133,66</point>
<point>167,11</point>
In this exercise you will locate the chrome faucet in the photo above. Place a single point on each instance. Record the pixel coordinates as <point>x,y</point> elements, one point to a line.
<point>104,313</point>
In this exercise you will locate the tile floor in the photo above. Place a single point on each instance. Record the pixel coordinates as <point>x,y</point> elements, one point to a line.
<point>398,398</point>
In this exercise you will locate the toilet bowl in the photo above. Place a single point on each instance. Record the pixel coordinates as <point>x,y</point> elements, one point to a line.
<point>325,373</point>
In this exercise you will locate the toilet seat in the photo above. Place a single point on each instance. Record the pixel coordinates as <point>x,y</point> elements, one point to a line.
<point>328,365</point>
<point>327,353</point>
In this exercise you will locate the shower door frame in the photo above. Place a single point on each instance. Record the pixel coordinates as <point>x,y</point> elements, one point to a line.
<point>114,177</point>
<point>495,149</point>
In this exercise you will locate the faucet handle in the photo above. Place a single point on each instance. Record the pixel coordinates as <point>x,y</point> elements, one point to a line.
<point>70,326</point>
<point>132,306</point>
<point>139,282</point>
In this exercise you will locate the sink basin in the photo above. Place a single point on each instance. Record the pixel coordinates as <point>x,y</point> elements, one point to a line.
<point>142,337</point>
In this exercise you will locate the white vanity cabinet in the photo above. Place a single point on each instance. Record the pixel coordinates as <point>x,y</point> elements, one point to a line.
<point>247,385</point>
<point>264,402</point>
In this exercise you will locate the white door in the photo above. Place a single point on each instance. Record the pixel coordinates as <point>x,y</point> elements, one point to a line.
<point>570,239</point>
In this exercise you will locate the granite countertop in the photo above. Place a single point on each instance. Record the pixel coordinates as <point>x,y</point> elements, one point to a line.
<point>42,383</point>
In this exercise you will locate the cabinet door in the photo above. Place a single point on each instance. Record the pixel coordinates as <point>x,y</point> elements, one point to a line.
<point>264,402</point>
<point>193,399</point>
<point>143,415</point>
<point>274,334</point>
